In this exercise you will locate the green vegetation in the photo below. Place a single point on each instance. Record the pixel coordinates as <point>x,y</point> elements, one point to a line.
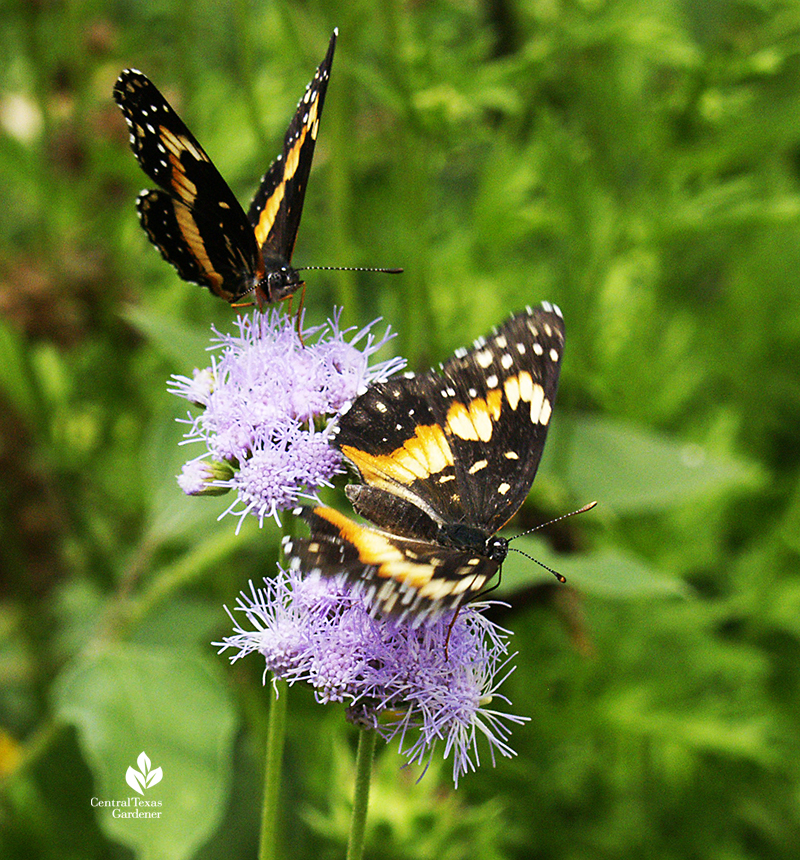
<point>637,163</point>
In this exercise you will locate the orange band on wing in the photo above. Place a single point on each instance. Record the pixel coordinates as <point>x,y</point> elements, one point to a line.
<point>426,453</point>
<point>376,550</point>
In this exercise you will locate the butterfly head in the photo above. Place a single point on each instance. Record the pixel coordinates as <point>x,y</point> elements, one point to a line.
<point>496,548</point>
<point>463,536</point>
<point>279,282</point>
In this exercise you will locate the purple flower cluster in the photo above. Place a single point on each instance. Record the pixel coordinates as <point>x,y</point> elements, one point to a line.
<point>266,411</point>
<point>406,682</point>
<point>268,405</point>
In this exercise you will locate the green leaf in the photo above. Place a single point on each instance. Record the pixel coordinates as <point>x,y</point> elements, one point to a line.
<point>631,470</point>
<point>174,708</point>
<point>172,514</point>
<point>607,573</point>
<point>185,345</point>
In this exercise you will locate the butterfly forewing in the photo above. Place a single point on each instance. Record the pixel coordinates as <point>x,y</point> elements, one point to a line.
<point>278,204</point>
<point>496,421</point>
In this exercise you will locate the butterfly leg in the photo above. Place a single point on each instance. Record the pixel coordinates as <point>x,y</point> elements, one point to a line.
<point>449,632</point>
<point>299,310</point>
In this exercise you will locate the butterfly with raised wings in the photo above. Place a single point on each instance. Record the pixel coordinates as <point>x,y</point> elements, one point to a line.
<point>445,459</point>
<point>195,220</point>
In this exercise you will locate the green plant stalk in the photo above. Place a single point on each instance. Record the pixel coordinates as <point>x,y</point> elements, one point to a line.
<point>366,752</point>
<point>276,734</point>
<point>189,569</point>
<point>246,71</point>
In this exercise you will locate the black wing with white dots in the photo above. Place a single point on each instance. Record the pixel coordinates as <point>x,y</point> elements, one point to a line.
<point>278,204</point>
<point>194,219</point>
<point>497,418</point>
<point>464,444</point>
<point>446,459</point>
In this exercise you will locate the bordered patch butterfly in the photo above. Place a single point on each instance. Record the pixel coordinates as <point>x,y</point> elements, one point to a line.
<point>446,459</point>
<point>194,219</point>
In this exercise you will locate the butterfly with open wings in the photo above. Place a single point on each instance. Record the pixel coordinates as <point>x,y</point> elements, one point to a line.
<point>195,220</point>
<point>446,459</point>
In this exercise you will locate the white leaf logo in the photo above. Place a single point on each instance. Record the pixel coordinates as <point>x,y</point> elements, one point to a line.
<point>143,778</point>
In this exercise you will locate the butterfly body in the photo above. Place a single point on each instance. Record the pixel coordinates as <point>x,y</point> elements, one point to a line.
<point>445,459</point>
<point>195,220</point>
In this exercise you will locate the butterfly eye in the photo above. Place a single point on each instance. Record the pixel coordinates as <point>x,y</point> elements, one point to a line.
<point>282,282</point>
<point>496,548</point>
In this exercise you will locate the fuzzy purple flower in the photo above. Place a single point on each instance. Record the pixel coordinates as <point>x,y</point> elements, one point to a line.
<point>405,682</point>
<point>269,403</point>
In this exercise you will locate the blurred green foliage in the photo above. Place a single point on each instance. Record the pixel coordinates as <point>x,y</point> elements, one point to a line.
<point>636,162</point>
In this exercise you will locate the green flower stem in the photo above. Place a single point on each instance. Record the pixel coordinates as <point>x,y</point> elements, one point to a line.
<point>276,734</point>
<point>366,752</point>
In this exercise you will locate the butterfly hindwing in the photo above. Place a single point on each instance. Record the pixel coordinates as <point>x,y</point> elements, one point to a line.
<point>398,575</point>
<point>408,519</point>
<point>178,233</point>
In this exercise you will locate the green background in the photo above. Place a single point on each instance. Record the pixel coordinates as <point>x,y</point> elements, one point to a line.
<point>636,162</point>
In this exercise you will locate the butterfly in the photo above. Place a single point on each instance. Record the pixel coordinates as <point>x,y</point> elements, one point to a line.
<point>445,459</point>
<point>193,217</point>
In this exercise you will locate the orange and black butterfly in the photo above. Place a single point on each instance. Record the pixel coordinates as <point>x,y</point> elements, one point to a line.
<point>445,459</point>
<point>194,219</point>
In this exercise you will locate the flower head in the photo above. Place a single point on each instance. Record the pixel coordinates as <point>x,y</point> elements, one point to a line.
<point>269,403</point>
<point>406,682</point>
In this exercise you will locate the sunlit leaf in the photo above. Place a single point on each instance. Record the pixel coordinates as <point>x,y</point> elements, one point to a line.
<point>631,469</point>
<point>173,710</point>
<point>608,573</point>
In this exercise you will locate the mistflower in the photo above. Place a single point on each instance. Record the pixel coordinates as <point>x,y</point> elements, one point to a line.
<point>404,682</point>
<point>268,405</point>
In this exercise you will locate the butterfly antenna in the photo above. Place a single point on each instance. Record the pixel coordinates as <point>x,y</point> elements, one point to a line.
<point>556,520</point>
<point>559,576</point>
<point>353,269</point>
